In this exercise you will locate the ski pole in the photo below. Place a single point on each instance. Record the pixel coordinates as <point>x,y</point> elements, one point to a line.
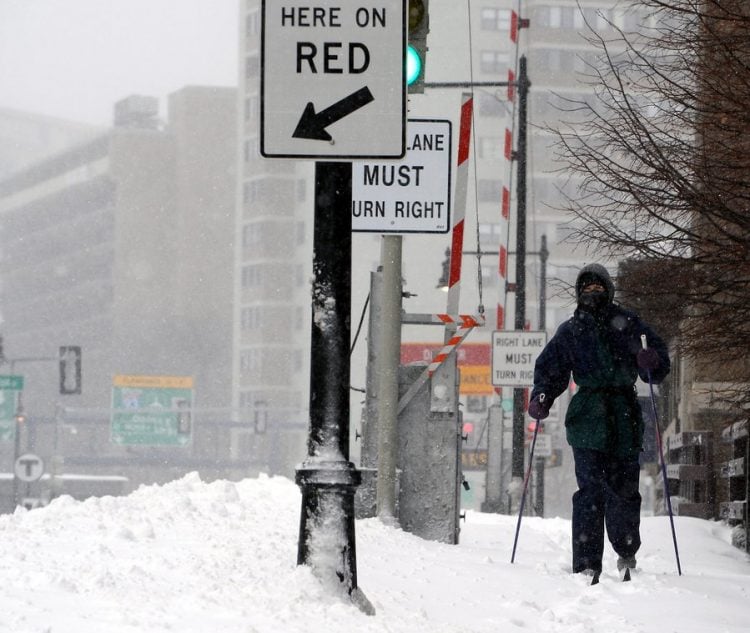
<point>526,483</point>
<point>663,466</point>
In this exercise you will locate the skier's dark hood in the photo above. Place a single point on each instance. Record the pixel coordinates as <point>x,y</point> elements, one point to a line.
<point>594,302</point>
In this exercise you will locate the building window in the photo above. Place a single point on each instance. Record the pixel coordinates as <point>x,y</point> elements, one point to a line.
<point>554,59</point>
<point>489,190</point>
<point>493,62</point>
<point>252,24</point>
<point>251,108</point>
<point>245,361</point>
<point>251,150</point>
<point>247,399</point>
<point>490,233</point>
<point>494,19</point>
<point>489,105</point>
<point>598,19</point>
<point>561,17</point>
<point>276,193</point>
<point>251,276</point>
<point>631,20</point>
<point>249,234</point>
<point>251,319</point>
<point>252,67</point>
<point>490,147</point>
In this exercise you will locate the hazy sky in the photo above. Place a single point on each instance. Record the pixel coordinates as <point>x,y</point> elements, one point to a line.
<point>74,58</point>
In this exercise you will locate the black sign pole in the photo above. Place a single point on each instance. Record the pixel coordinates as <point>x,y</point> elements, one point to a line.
<point>327,478</point>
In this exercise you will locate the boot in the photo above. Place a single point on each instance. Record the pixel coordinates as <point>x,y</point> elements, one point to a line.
<point>625,562</point>
<point>624,565</point>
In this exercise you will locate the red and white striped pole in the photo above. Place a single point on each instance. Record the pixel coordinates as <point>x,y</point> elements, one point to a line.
<point>467,324</point>
<point>459,207</point>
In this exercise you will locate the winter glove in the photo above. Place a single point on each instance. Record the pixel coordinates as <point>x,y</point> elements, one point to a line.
<point>648,359</point>
<point>539,406</point>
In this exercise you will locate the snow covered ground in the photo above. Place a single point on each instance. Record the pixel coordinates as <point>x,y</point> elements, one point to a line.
<point>220,557</point>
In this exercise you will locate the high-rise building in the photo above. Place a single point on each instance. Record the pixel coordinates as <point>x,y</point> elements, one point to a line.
<point>124,246</point>
<point>26,138</point>
<point>273,268</point>
<point>276,205</point>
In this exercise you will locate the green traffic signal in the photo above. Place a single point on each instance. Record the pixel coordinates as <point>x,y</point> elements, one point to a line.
<point>413,65</point>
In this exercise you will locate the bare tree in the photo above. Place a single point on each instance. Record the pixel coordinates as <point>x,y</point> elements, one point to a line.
<point>663,164</point>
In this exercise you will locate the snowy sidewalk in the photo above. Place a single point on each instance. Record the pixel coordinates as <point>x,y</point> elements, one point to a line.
<point>220,558</point>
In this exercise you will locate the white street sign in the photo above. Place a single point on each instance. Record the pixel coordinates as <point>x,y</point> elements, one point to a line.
<point>411,195</point>
<point>28,467</point>
<point>543,446</point>
<point>333,79</point>
<point>514,355</point>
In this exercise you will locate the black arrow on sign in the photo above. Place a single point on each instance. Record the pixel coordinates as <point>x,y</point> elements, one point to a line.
<point>313,126</point>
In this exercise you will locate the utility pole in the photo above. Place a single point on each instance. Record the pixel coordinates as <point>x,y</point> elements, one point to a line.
<point>517,459</point>
<point>387,362</point>
<point>539,465</point>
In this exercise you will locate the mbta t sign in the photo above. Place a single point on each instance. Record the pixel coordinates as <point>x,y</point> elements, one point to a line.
<point>333,79</point>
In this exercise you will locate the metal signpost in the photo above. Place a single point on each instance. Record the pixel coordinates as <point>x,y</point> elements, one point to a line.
<point>411,195</point>
<point>333,79</point>
<point>27,468</point>
<point>152,410</point>
<point>333,86</point>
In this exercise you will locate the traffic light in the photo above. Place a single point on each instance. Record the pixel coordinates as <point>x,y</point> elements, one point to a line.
<point>70,370</point>
<point>416,51</point>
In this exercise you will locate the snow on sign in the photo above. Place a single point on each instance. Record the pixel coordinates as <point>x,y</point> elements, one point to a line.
<point>514,355</point>
<point>411,195</point>
<point>333,79</point>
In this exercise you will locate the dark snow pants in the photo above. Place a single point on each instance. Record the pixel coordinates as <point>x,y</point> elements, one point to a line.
<point>607,494</point>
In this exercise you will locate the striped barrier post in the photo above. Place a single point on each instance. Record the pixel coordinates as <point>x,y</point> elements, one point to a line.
<point>463,325</point>
<point>459,210</point>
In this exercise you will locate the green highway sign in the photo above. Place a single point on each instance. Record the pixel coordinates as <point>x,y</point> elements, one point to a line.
<point>8,405</point>
<point>14,383</point>
<point>152,410</point>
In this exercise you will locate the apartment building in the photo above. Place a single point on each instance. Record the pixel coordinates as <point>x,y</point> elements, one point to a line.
<point>276,206</point>
<point>26,138</point>
<point>123,246</point>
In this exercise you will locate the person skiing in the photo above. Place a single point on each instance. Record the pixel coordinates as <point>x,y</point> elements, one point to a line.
<point>601,346</point>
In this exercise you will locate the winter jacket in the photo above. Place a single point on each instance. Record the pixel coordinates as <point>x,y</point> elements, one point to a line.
<point>604,414</point>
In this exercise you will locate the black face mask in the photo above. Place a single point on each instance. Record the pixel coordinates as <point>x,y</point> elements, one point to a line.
<point>594,302</point>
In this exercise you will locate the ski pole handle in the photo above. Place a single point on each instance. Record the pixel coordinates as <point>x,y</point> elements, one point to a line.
<point>644,345</point>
